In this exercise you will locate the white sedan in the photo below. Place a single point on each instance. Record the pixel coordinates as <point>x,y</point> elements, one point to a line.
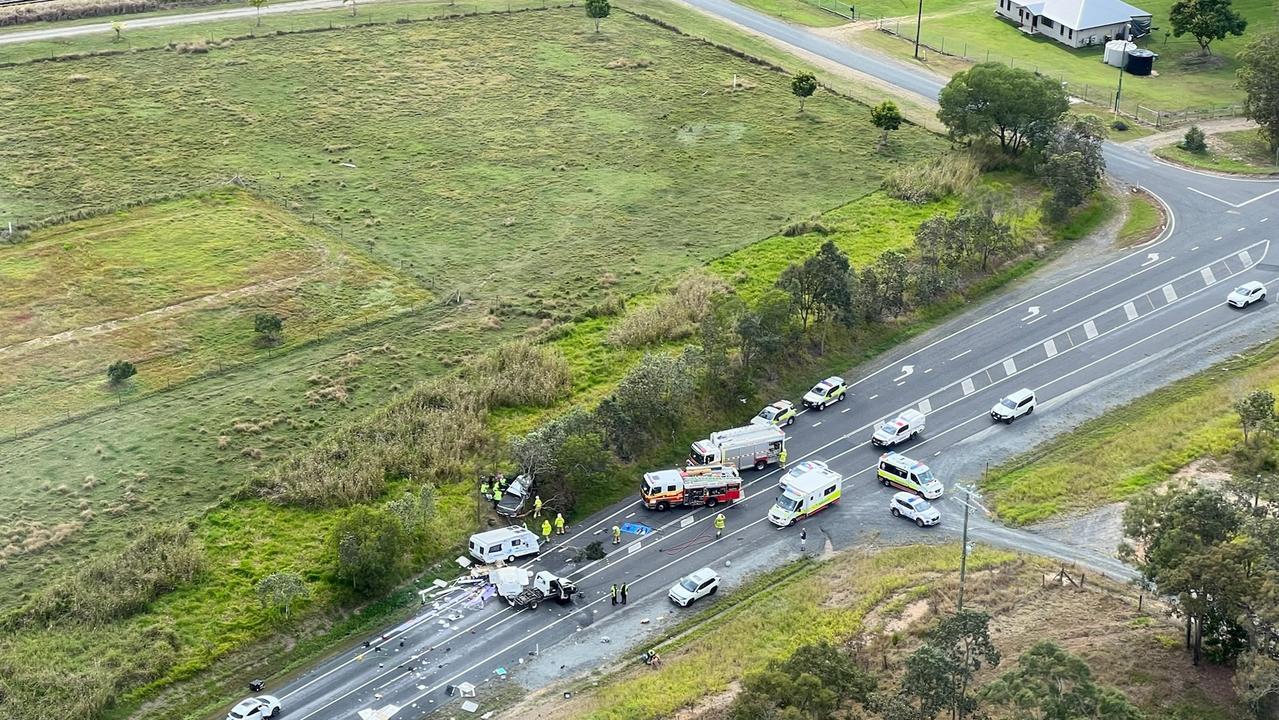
<point>255,708</point>
<point>1246,294</point>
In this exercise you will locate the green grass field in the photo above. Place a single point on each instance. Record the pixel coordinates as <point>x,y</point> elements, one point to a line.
<point>1132,448</point>
<point>1241,151</point>
<point>174,288</point>
<point>1185,78</point>
<point>543,176</point>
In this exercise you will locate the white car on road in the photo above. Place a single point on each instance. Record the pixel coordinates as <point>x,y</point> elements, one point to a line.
<point>255,708</point>
<point>900,429</point>
<point>913,507</point>
<point>1246,294</point>
<point>694,587</point>
<point>827,392</point>
<point>1014,406</point>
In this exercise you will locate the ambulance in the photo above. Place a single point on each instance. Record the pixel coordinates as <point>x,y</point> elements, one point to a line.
<point>706,485</point>
<point>897,470</point>
<point>804,494</point>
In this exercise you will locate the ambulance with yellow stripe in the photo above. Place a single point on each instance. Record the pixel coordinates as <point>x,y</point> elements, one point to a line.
<point>897,470</point>
<point>807,489</point>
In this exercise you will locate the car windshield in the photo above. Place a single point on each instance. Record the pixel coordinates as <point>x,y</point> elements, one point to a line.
<point>767,413</point>
<point>1243,289</point>
<point>1008,403</point>
<point>922,506</point>
<point>236,714</point>
<point>926,477</point>
<point>688,584</point>
<point>820,389</point>
<point>888,428</point>
<point>701,459</point>
<point>786,503</point>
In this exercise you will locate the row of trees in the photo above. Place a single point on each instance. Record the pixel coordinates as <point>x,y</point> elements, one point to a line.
<point>1215,550</point>
<point>821,681</point>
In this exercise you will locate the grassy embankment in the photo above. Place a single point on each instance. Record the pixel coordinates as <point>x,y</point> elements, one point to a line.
<point>1241,151</point>
<point>1144,221</point>
<point>661,141</point>
<point>1134,447</point>
<point>881,603</point>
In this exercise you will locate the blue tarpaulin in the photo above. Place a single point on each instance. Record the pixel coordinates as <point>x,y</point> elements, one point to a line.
<point>636,528</point>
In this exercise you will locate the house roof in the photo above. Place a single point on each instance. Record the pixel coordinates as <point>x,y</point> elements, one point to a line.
<point>1083,14</point>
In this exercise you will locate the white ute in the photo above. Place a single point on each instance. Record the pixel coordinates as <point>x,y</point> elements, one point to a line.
<point>694,586</point>
<point>827,392</point>
<point>1246,294</point>
<point>1014,406</point>
<point>255,708</point>
<point>900,429</point>
<point>914,507</point>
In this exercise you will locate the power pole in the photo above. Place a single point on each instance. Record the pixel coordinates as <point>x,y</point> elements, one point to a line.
<point>963,554</point>
<point>919,21</point>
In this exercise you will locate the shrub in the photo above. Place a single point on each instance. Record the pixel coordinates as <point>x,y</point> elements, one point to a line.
<point>119,371</point>
<point>521,373</point>
<point>1194,140</point>
<point>370,546</point>
<point>115,587</point>
<point>674,316</point>
<point>1119,125</point>
<point>927,182</point>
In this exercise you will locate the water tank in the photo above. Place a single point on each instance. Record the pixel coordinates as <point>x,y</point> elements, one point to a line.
<point>1140,61</point>
<point>1115,51</point>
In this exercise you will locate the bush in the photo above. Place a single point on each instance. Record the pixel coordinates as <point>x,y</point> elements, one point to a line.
<point>1194,140</point>
<point>953,174</point>
<point>429,434</point>
<point>521,373</point>
<point>116,587</point>
<point>119,371</point>
<point>1119,125</point>
<point>370,545</point>
<point>673,317</point>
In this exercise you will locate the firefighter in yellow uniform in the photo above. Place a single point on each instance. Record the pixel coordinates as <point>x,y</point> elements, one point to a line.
<point>559,524</point>
<point>537,506</point>
<point>781,457</point>
<point>546,531</point>
<point>719,525</point>
<point>617,535</point>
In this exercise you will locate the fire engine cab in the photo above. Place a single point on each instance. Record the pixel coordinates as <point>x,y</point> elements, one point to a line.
<point>706,485</point>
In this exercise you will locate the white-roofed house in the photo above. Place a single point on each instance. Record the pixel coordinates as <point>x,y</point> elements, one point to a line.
<point>1076,23</point>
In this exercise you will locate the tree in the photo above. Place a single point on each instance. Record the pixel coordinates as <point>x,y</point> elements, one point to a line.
<point>649,402</point>
<point>819,285</point>
<point>280,590</point>
<point>868,297</point>
<point>351,3</point>
<point>1256,410</point>
<point>802,282</point>
<point>370,544</point>
<point>1194,140</point>
<point>597,10</point>
<point>118,28</point>
<point>1051,684</point>
<point>1254,477</point>
<point>1256,681</point>
<point>812,684</point>
<point>1014,105</point>
<point>1186,551</point>
<point>269,327</point>
<point>983,233</point>
<point>1073,166</point>
<point>259,4</point>
<point>887,118</point>
<point>891,273</point>
<point>119,371</point>
<point>1205,20</point>
<point>964,641</point>
<point>1258,77</point>
<point>764,331</point>
<point>803,86</point>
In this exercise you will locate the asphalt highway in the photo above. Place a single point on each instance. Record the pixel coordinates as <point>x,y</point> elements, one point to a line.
<point>1153,312</point>
<point>1087,334</point>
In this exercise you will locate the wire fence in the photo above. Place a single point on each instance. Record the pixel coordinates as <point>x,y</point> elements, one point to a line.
<point>1102,96</point>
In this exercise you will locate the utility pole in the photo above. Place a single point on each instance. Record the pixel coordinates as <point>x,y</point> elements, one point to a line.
<point>963,554</point>
<point>1120,90</point>
<point>919,21</point>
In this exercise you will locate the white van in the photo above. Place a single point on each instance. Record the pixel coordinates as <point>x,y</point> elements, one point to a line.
<point>900,429</point>
<point>805,494</point>
<point>505,543</point>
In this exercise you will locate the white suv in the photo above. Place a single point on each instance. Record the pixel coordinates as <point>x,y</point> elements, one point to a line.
<point>1014,406</point>
<point>913,507</point>
<point>695,586</point>
<point>255,708</point>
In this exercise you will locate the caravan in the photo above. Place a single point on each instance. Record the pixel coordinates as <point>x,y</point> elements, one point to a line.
<point>806,493</point>
<point>505,543</point>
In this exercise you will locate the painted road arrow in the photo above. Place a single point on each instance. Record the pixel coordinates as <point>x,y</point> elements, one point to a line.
<point>907,370</point>
<point>1034,310</point>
